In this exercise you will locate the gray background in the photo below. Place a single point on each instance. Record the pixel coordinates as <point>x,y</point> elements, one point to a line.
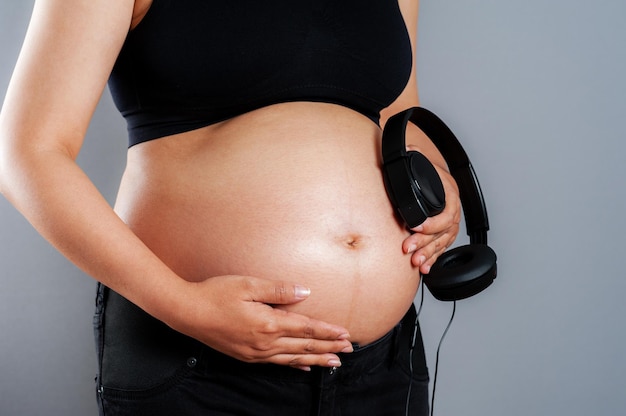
<point>535,90</point>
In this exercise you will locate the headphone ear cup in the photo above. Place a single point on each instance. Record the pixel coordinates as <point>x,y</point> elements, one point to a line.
<point>462,272</point>
<point>414,188</point>
<point>427,184</point>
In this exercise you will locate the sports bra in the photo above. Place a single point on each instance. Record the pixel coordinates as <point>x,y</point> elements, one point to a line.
<point>192,63</point>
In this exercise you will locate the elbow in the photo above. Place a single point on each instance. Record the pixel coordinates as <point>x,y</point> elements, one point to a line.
<point>17,161</point>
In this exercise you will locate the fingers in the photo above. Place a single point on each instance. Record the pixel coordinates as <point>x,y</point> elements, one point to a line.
<point>299,326</point>
<point>288,338</point>
<point>273,292</point>
<point>293,333</point>
<point>291,339</point>
<point>305,362</point>
<point>433,237</point>
<point>431,247</point>
<point>302,353</point>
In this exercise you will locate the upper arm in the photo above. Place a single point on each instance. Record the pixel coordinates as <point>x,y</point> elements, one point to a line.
<point>65,61</point>
<point>408,97</point>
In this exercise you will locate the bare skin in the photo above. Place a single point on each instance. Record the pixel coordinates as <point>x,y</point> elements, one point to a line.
<point>259,264</point>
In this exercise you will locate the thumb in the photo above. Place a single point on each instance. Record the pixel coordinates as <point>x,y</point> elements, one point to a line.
<point>275,292</point>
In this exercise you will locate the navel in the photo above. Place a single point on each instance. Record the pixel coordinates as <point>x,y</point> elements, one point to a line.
<point>352,241</point>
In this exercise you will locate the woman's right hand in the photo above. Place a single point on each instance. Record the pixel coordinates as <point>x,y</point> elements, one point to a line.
<point>234,315</point>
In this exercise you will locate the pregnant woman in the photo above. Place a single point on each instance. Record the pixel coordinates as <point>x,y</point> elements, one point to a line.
<point>252,263</point>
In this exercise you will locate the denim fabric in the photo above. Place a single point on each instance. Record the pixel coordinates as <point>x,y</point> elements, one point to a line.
<point>146,368</point>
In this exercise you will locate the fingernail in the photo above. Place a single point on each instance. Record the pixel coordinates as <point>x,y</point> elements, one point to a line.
<point>334,363</point>
<point>421,260</point>
<point>344,336</point>
<point>304,368</point>
<point>426,269</point>
<point>348,349</point>
<point>302,292</point>
<point>418,229</point>
<point>411,248</point>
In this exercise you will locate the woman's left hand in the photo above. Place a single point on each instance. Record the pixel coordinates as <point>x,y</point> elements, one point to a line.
<point>433,237</point>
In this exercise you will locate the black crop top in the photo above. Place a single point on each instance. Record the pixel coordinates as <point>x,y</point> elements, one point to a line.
<point>192,63</point>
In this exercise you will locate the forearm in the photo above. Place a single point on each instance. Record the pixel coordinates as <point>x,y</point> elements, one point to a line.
<point>60,201</point>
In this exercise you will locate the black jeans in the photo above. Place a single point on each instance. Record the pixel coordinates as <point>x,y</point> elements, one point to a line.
<point>146,368</point>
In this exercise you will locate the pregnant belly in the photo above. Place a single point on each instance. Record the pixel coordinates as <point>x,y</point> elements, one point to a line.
<point>301,201</point>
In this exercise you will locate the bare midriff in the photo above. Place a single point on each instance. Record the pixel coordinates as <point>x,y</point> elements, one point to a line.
<point>291,192</point>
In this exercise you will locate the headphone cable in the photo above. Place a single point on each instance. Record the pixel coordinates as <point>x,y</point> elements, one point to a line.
<point>432,399</point>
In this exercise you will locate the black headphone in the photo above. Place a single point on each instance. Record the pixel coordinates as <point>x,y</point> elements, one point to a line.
<point>416,191</point>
